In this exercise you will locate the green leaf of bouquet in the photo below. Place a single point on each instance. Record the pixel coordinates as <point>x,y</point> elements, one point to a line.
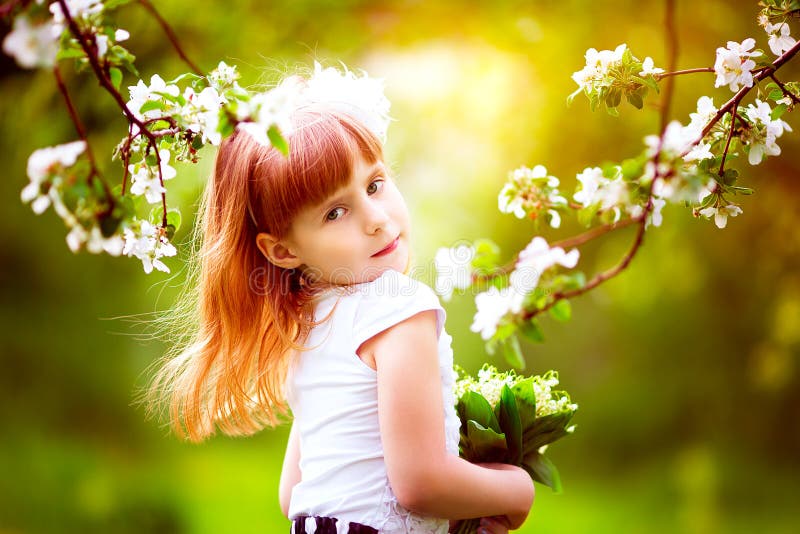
<point>486,445</point>
<point>472,406</point>
<point>116,77</point>
<point>561,310</point>
<point>512,352</point>
<point>277,140</point>
<point>545,430</point>
<point>525,397</point>
<point>509,419</point>
<point>532,331</point>
<point>542,470</point>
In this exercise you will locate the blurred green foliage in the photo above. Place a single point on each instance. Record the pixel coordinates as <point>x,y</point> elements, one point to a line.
<point>685,367</point>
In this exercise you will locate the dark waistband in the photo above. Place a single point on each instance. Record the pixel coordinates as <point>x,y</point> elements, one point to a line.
<point>327,525</point>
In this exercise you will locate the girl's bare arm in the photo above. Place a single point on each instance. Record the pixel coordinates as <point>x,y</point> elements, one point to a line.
<point>424,476</point>
<point>290,474</point>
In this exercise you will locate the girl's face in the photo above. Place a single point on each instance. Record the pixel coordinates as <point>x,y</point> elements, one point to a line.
<point>355,235</point>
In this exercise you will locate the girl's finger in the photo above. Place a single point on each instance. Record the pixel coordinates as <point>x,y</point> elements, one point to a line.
<point>490,525</point>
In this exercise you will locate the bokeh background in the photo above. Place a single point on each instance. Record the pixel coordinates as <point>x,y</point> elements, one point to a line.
<point>685,366</point>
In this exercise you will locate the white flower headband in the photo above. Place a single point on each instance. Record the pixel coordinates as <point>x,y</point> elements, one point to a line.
<point>360,97</point>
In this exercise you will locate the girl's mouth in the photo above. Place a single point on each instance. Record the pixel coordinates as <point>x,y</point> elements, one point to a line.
<point>390,247</point>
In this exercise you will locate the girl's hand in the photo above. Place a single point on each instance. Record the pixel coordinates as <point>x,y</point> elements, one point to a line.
<point>489,525</point>
<point>514,520</point>
<point>494,525</point>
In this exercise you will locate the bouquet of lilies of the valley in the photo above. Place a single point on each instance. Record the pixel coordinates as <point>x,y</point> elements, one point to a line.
<point>509,418</point>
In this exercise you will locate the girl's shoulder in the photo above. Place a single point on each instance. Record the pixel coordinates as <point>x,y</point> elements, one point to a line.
<point>391,298</point>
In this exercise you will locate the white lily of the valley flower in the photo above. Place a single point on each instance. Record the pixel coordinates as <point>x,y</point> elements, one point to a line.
<point>779,39</point>
<point>491,305</point>
<point>648,69</point>
<point>31,45</point>
<point>721,214</point>
<point>733,66</point>
<point>453,269</point>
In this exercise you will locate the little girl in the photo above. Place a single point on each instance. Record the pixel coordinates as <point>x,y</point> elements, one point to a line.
<point>302,298</point>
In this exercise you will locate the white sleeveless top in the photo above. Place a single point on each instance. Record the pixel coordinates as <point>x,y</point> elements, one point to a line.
<point>333,395</point>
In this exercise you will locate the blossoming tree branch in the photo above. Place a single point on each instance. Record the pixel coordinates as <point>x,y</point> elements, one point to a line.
<point>171,121</point>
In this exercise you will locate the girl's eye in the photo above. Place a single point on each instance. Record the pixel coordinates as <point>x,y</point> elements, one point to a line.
<point>332,214</point>
<point>375,186</point>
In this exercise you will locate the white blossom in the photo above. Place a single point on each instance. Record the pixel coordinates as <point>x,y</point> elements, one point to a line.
<point>148,245</point>
<point>733,66</point>
<point>453,269</point>
<point>596,72</point>
<point>648,69</point>
<point>676,139</point>
<point>721,214</point>
<point>141,93</point>
<point>31,46</point>
<point>596,188</point>
<point>94,240</point>
<point>699,152</point>
<point>763,132</point>
<point>492,305</point>
<point>223,76</point>
<point>103,41</point>
<point>201,113</point>
<point>527,190</point>
<point>264,110</point>
<point>779,39</point>
<point>44,164</point>
<point>655,217</point>
<point>536,258</point>
<point>706,111</point>
<point>145,179</point>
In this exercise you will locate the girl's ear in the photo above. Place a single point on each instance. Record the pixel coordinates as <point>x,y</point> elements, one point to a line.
<point>276,251</point>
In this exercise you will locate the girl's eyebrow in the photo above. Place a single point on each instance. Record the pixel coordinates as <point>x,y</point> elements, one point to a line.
<point>376,169</point>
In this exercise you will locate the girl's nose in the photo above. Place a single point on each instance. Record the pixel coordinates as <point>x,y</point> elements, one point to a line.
<point>376,217</point>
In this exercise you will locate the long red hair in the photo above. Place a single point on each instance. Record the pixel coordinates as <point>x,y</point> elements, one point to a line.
<point>240,317</point>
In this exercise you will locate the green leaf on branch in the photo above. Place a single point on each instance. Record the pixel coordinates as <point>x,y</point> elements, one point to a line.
<point>635,100</point>
<point>613,98</point>
<point>277,140</point>
<point>729,176</point>
<point>512,352</point>
<point>532,331</point>
<point>586,215</point>
<point>778,111</point>
<point>487,255</point>
<point>174,218</point>
<point>151,105</point>
<point>561,310</point>
<point>116,77</point>
<point>69,53</point>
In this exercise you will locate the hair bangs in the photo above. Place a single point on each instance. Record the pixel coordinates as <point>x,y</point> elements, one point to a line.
<point>323,148</point>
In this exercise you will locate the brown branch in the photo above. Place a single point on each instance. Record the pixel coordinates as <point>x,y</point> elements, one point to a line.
<point>94,171</point>
<point>641,220</point>
<point>728,142</point>
<point>171,36</point>
<point>786,92</point>
<point>594,233</point>
<point>684,71</point>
